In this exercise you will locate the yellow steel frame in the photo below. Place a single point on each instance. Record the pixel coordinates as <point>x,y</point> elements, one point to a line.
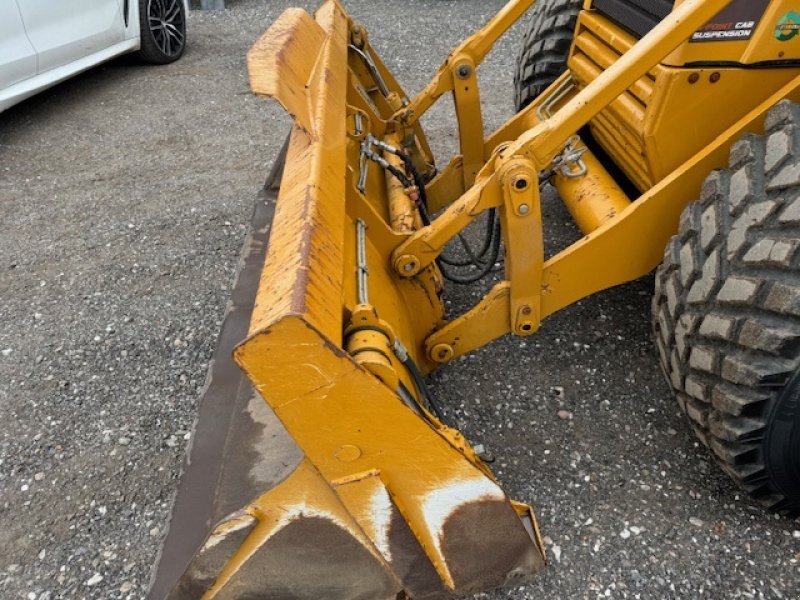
<point>672,113</point>
<point>527,145</point>
<point>327,362</point>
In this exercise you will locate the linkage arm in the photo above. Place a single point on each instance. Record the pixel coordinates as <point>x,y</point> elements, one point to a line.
<point>424,247</point>
<point>474,49</point>
<point>520,303</point>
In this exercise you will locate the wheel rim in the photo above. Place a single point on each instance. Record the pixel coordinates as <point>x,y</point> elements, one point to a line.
<point>165,20</point>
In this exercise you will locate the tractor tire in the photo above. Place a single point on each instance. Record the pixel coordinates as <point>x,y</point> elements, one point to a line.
<point>726,313</point>
<point>545,48</point>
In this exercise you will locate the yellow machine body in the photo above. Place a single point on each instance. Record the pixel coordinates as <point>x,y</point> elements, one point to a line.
<point>681,104</point>
<point>389,502</point>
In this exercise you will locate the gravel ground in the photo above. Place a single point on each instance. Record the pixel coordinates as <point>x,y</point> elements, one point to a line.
<point>125,199</point>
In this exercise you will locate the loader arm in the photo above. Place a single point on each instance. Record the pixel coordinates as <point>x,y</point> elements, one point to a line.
<point>388,501</point>
<point>509,181</point>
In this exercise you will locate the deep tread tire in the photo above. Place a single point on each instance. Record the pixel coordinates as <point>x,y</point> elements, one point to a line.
<point>149,51</point>
<point>726,313</point>
<point>545,48</point>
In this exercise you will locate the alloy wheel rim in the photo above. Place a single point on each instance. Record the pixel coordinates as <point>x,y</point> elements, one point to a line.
<point>165,19</point>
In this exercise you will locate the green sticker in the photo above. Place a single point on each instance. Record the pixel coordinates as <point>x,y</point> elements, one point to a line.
<point>788,27</point>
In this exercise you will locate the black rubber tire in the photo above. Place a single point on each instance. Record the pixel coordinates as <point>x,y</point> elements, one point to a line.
<point>726,313</point>
<point>545,48</point>
<point>151,50</point>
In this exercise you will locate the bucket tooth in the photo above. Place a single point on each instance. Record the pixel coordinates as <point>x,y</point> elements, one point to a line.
<point>371,504</point>
<point>296,541</point>
<point>307,539</point>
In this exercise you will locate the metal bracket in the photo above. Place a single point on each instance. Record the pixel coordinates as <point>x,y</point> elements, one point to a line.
<point>508,177</point>
<point>476,47</point>
<point>513,305</point>
<point>570,163</point>
<point>373,69</point>
<point>467,100</point>
<point>521,219</point>
<point>545,110</point>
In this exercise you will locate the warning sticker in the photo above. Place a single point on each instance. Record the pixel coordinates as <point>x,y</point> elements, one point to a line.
<point>736,22</point>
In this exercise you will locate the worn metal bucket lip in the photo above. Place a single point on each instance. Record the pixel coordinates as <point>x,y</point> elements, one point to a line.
<point>195,509</point>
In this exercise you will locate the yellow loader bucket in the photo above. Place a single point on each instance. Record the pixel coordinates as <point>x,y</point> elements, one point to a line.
<point>387,502</point>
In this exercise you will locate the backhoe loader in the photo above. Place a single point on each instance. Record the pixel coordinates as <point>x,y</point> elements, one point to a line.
<point>671,131</point>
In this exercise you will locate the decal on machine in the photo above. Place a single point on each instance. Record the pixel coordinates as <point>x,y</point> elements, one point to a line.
<point>735,23</point>
<point>788,27</point>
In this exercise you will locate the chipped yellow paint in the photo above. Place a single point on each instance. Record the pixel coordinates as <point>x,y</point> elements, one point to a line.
<point>592,198</point>
<point>328,400</point>
<point>402,486</point>
<point>279,63</point>
<point>304,494</point>
<point>304,266</point>
<point>369,456</point>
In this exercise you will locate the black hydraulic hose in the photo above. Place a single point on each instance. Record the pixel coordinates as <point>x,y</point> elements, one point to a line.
<point>398,174</point>
<point>419,382</point>
<point>418,181</point>
<point>423,214</point>
<point>410,167</point>
<point>491,243</point>
<point>485,268</point>
<point>474,257</point>
<point>408,399</point>
<point>403,179</point>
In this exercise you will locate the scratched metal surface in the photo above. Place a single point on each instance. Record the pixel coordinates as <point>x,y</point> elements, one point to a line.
<point>132,210</point>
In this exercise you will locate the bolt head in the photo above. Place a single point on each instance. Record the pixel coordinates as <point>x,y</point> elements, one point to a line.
<point>442,353</point>
<point>524,209</point>
<point>407,265</point>
<point>464,71</point>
